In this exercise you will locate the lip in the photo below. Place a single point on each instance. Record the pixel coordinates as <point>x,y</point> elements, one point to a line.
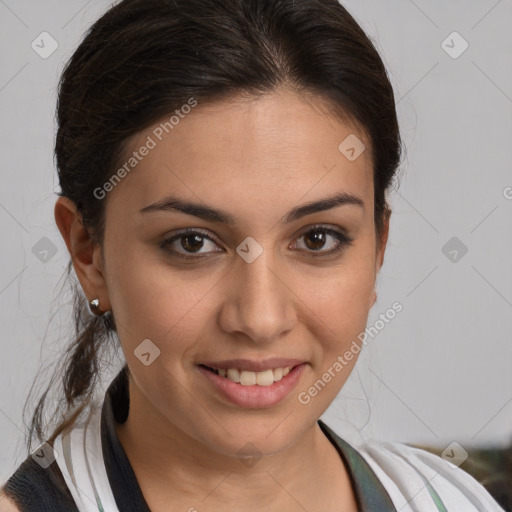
<point>253,366</point>
<point>254,396</point>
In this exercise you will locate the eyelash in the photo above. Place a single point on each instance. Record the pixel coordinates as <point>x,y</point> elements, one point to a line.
<point>343,241</point>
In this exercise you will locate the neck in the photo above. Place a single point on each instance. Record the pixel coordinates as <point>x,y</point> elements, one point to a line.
<point>173,467</point>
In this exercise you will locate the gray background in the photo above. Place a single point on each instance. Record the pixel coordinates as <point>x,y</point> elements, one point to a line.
<point>440,371</point>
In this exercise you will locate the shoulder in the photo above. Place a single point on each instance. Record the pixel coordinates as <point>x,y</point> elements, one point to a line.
<point>34,488</point>
<point>417,478</point>
<point>7,504</point>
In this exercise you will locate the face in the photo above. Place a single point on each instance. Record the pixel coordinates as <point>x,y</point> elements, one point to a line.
<point>267,284</point>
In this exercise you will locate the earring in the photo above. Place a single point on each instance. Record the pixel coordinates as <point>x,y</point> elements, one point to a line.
<point>94,305</point>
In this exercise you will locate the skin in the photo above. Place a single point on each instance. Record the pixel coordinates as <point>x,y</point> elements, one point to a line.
<point>255,159</point>
<point>7,505</point>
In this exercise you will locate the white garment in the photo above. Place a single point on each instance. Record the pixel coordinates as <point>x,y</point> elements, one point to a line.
<point>80,459</point>
<point>403,471</point>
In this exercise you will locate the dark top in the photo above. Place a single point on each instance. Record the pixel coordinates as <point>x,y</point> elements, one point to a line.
<point>35,489</point>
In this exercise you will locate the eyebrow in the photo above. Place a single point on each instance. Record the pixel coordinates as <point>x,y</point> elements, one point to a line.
<point>208,213</point>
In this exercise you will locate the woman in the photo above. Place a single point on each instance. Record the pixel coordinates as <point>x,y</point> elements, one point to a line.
<point>224,168</point>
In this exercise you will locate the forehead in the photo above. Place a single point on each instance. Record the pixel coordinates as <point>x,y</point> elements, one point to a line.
<point>269,151</point>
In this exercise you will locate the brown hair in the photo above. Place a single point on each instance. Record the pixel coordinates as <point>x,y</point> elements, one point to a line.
<point>145,58</point>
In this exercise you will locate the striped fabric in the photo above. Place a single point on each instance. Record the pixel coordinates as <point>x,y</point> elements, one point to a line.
<point>419,481</point>
<point>80,459</point>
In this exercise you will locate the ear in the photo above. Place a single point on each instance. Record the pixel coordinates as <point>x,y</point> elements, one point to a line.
<point>380,250</point>
<point>85,255</point>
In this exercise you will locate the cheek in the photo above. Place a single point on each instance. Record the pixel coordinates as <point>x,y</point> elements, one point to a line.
<point>340,302</point>
<point>341,296</point>
<point>338,315</point>
<point>158,302</point>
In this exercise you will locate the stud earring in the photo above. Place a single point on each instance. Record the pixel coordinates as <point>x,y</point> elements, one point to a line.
<point>94,305</point>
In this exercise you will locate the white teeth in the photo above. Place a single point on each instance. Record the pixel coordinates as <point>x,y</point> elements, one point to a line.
<point>246,378</point>
<point>233,374</point>
<point>278,373</point>
<point>265,378</point>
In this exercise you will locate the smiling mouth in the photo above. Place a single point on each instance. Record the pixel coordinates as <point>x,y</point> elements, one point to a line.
<point>248,378</point>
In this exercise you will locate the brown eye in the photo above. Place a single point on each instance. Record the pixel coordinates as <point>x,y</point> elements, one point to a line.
<point>317,238</point>
<point>192,243</point>
<point>189,242</point>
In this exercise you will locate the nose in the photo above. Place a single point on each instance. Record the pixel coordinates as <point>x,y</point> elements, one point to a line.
<point>259,301</point>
